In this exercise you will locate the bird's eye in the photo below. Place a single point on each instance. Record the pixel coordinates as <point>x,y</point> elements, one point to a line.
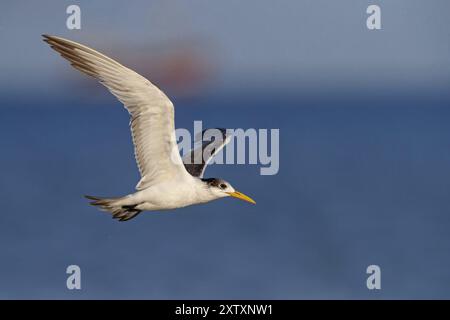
<point>222,186</point>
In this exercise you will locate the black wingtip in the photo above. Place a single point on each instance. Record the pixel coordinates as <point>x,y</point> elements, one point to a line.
<point>46,38</point>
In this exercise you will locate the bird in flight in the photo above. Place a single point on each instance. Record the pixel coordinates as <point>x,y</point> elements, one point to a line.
<point>167,180</point>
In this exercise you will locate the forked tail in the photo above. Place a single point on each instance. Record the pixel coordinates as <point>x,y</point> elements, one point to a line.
<point>118,211</point>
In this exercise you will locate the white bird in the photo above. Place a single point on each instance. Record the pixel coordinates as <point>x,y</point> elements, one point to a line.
<point>166,182</point>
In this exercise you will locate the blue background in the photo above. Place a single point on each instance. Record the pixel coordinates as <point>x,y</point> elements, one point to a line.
<point>364,151</point>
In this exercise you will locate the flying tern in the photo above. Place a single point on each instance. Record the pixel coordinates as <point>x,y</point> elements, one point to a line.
<point>167,180</point>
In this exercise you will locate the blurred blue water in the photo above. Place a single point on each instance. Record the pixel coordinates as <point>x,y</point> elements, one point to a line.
<point>361,182</point>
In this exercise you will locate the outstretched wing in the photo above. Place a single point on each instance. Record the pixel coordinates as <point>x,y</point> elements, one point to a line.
<point>152,113</point>
<point>198,158</point>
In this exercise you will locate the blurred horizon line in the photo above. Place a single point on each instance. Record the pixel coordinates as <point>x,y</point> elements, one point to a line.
<point>98,94</point>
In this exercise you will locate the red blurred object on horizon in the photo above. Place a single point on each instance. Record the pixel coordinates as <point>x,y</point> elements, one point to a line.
<point>179,69</point>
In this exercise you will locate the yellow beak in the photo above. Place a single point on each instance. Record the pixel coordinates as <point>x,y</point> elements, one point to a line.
<point>241,196</point>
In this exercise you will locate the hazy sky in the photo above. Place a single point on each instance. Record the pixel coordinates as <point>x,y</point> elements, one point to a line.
<point>300,43</point>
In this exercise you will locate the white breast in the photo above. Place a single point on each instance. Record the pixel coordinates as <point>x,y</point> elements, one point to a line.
<point>173,194</point>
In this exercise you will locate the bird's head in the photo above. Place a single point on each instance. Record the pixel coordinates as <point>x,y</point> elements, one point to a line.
<point>221,188</point>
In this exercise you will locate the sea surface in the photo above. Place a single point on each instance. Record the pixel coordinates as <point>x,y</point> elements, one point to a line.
<point>361,182</point>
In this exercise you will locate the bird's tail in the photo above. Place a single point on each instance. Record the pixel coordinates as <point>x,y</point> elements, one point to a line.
<point>113,205</point>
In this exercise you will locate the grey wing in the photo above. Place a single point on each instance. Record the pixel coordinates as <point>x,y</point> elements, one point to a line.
<point>198,158</point>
